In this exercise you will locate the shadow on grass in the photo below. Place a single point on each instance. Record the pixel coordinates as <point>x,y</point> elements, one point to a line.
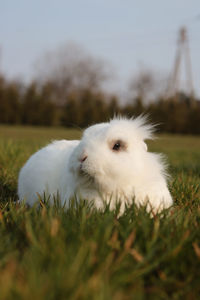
<point>8,191</point>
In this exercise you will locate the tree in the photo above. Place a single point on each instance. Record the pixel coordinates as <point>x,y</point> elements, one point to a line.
<point>146,86</point>
<point>70,68</point>
<point>9,102</point>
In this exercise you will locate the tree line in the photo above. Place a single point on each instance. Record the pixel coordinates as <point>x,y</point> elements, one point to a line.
<point>69,91</point>
<point>37,105</point>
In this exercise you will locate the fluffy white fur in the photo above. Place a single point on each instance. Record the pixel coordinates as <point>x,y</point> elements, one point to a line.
<point>93,170</point>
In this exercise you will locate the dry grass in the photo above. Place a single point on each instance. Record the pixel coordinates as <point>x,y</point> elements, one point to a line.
<point>81,253</point>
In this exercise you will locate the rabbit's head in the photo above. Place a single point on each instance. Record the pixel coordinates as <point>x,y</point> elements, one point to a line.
<point>110,155</point>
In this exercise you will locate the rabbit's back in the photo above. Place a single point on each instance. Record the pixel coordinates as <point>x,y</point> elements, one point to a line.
<point>43,170</point>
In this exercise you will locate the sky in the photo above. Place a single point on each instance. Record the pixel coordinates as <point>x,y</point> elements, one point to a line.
<point>129,34</point>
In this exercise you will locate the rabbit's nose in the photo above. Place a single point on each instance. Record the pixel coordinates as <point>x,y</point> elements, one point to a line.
<point>83,158</point>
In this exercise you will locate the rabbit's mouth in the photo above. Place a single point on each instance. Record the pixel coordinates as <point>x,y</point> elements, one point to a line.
<point>84,174</point>
<point>91,179</point>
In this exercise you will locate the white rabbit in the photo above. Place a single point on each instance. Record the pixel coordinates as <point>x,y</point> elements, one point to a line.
<point>110,163</point>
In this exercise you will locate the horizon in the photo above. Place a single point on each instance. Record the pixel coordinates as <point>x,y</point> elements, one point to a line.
<point>130,36</point>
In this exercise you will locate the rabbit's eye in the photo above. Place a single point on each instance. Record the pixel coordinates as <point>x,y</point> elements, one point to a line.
<point>117,146</point>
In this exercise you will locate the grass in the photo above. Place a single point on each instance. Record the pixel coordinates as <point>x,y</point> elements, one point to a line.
<point>51,253</point>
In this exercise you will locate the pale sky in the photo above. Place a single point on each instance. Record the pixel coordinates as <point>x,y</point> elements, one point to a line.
<point>127,33</point>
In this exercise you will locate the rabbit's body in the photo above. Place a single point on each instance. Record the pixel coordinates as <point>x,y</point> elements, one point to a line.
<point>42,173</point>
<point>110,163</point>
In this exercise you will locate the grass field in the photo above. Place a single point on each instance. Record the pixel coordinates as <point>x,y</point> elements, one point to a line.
<point>51,253</point>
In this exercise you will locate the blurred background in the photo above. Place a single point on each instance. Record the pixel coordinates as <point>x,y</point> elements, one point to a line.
<point>74,63</point>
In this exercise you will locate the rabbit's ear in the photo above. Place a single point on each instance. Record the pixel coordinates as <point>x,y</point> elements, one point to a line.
<point>144,146</point>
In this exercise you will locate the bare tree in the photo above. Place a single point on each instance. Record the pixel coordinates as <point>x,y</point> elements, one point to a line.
<point>147,85</point>
<point>70,68</point>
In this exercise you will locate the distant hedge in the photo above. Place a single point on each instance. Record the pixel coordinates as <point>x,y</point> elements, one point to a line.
<point>38,105</point>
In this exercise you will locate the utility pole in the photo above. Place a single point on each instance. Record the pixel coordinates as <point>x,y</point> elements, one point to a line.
<point>182,54</point>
